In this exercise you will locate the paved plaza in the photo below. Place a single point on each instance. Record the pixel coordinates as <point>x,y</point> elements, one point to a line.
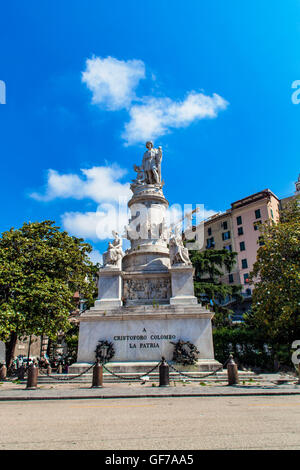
<point>255,422</point>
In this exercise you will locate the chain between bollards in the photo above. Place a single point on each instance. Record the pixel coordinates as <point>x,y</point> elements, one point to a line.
<point>97,382</point>
<point>232,372</point>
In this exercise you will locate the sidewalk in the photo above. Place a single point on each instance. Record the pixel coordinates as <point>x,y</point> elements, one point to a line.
<point>10,391</point>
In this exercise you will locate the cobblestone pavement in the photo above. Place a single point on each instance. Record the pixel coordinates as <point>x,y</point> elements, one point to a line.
<point>170,424</point>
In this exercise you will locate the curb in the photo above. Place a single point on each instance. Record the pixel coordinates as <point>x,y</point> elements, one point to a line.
<point>149,395</point>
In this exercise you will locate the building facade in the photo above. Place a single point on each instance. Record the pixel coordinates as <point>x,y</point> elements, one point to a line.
<point>247,215</point>
<point>237,230</point>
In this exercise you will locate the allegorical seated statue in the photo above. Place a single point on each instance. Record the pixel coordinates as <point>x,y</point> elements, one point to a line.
<point>114,254</point>
<point>149,172</point>
<point>179,254</point>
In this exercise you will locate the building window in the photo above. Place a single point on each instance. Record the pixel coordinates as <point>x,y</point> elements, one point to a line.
<point>240,231</point>
<point>228,247</point>
<point>230,278</point>
<point>272,215</point>
<point>242,246</point>
<point>210,243</point>
<point>256,225</point>
<point>224,225</point>
<point>248,291</point>
<point>257,214</point>
<point>246,278</point>
<point>239,220</point>
<point>209,231</point>
<point>261,241</point>
<point>244,263</point>
<point>226,235</point>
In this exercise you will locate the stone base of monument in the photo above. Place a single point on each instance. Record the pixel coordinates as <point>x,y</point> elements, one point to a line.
<point>141,335</point>
<point>202,365</point>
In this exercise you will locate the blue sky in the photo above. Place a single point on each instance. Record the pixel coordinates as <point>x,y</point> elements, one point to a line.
<point>210,81</point>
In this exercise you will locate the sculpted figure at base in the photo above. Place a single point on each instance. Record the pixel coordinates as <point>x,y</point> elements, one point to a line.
<point>179,254</point>
<point>150,170</point>
<point>114,254</point>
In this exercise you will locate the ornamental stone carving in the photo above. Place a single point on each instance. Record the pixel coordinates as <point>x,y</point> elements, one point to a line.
<point>179,254</point>
<point>114,254</point>
<point>147,289</point>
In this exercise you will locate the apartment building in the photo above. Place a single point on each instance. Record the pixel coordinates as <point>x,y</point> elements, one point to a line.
<point>218,234</point>
<point>237,230</point>
<point>247,215</point>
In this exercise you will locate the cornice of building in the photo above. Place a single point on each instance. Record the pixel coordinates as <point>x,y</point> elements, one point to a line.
<point>218,216</point>
<point>265,193</point>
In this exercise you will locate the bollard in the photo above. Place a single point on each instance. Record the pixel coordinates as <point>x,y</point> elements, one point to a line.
<point>49,370</point>
<point>32,377</point>
<point>97,375</point>
<point>3,372</point>
<point>232,372</point>
<point>164,373</point>
<point>21,372</point>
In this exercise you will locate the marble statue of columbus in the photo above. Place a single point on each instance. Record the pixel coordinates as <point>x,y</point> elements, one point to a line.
<point>150,170</point>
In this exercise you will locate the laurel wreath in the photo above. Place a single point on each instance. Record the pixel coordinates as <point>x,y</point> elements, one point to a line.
<point>110,351</point>
<point>185,352</point>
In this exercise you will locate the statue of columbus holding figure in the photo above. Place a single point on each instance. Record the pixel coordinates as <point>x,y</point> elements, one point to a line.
<point>150,170</point>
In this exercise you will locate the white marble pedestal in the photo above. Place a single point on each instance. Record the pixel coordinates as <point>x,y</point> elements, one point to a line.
<point>182,285</point>
<point>143,334</point>
<point>109,288</point>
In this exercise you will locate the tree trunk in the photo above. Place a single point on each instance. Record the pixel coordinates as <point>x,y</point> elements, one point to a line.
<point>10,349</point>
<point>29,346</point>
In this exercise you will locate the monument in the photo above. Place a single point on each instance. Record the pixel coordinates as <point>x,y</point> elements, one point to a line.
<point>146,301</point>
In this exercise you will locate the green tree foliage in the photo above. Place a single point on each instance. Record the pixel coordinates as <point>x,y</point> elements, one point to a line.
<point>246,344</point>
<point>209,266</point>
<point>41,268</point>
<point>71,338</point>
<point>276,274</point>
<point>250,347</point>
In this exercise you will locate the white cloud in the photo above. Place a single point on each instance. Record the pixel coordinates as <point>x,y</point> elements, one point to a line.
<point>113,82</point>
<point>99,183</point>
<point>97,225</point>
<point>156,116</point>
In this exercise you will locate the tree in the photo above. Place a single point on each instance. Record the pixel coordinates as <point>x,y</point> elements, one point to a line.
<point>208,266</point>
<point>40,269</point>
<point>276,276</point>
